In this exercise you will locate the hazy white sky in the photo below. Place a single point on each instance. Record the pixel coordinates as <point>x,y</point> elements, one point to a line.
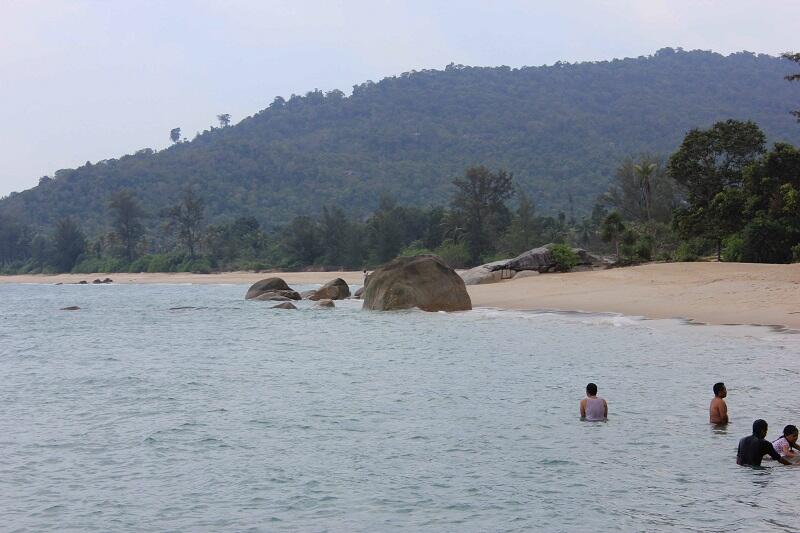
<point>89,79</point>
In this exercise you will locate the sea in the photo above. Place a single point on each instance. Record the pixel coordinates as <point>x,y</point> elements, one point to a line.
<point>187,408</point>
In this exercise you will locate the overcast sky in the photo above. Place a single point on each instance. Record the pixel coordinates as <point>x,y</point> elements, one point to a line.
<point>89,80</point>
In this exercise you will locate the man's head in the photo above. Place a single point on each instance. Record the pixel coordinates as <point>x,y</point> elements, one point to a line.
<point>760,428</point>
<point>719,390</point>
<point>790,433</point>
<point>591,389</point>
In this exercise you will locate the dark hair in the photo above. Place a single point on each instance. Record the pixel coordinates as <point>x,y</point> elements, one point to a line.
<point>718,387</point>
<point>759,426</point>
<point>789,430</point>
<point>591,389</point>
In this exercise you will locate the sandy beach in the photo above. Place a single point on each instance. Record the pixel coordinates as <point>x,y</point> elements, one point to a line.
<point>714,293</point>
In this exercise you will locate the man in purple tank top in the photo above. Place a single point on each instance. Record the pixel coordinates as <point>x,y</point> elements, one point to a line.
<point>593,408</point>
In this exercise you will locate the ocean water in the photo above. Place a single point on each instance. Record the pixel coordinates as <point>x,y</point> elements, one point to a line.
<point>129,415</point>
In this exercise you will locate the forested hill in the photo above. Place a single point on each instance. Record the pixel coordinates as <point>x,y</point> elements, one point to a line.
<point>561,130</point>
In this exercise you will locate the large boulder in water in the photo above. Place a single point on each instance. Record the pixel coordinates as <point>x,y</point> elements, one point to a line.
<point>271,285</point>
<point>423,281</point>
<point>336,289</point>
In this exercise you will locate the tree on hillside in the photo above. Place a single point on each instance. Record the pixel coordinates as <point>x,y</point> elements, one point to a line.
<point>224,120</point>
<point>523,231</point>
<point>642,191</point>
<point>175,134</point>
<point>186,219</point>
<point>69,243</point>
<point>708,162</point>
<point>386,234</point>
<point>14,241</point>
<point>612,229</point>
<point>126,216</point>
<point>793,77</point>
<point>480,198</point>
<point>337,235</point>
<point>301,240</point>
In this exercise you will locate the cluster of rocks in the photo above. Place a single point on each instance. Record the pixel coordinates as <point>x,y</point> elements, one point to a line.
<point>425,282</point>
<point>277,290</point>
<point>98,281</point>
<point>533,262</point>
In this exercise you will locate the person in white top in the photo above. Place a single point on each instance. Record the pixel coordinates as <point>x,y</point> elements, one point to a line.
<point>593,408</point>
<point>784,444</point>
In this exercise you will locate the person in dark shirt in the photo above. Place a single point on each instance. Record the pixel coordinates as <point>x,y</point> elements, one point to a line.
<point>753,448</point>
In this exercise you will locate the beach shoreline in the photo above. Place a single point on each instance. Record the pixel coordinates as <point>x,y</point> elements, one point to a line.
<point>712,293</point>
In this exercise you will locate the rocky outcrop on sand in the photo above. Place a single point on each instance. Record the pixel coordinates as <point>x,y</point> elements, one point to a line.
<point>336,289</point>
<point>485,274</point>
<point>284,305</point>
<point>537,260</point>
<point>99,281</point>
<point>423,281</point>
<point>269,288</point>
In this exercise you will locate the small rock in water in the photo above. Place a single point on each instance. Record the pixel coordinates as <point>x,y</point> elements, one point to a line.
<point>83,282</point>
<point>70,308</point>
<point>97,281</point>
<point>274,296</point>
<point>307,294</point>
<point>284,305</point>
<point>336,289</point>
<point>325,304</point>
<point>108,280</point>
<point>270,285</point>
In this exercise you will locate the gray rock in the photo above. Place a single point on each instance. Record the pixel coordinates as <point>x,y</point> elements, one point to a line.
<point>275,296</point>
<point>485,273</point>
<point>269,285</point>
<point>359,293</point>
<point>325,304</point>
<point>284,305</point>
<point>526,274</point>
<point>541,260</point>
<point>336,289</point>
<point>307,294</point>
<point>423,281</point>
<point>71,308</point>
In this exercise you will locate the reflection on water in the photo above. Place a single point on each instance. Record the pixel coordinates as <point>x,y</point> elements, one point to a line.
<point>187,408</point>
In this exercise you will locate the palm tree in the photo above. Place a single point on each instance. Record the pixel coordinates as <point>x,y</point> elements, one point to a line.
<point>644,172</point>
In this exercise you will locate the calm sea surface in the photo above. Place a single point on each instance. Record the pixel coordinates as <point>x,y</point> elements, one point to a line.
<point>129,416</point>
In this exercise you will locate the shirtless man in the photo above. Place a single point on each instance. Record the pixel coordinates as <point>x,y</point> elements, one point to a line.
<point>593,408</point>
<point>718,411</point>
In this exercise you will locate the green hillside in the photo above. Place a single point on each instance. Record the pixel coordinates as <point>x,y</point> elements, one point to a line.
<point>561,130</point>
